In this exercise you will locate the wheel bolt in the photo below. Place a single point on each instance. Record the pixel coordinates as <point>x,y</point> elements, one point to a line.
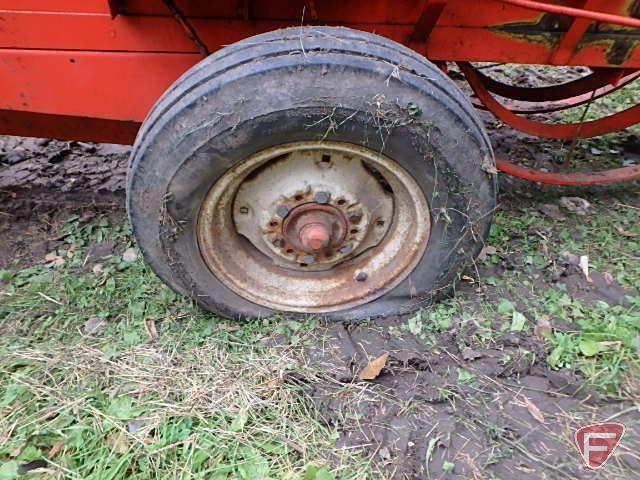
<point>346,249</point>
<point>361,276</point>
<point>282,211</point>
<point>322,197</point>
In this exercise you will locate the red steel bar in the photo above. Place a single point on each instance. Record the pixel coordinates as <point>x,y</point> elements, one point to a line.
<point>612,123</point>
<point>576,12</point>
<point>567,103</point>
<point>582,85</point>
<point>574,178</point>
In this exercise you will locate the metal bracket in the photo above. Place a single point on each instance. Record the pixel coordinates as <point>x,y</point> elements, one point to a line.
<point>431,12</point>
<point>188,28</point>
<point>114,8</point>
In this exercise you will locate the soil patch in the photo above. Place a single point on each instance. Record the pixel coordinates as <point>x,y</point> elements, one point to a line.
<point>455,410</point>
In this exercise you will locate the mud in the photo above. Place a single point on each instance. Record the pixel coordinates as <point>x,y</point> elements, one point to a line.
<point>45,182</point>
<point>65,167</point>
<point>460,408</point>
<point>31,226</point>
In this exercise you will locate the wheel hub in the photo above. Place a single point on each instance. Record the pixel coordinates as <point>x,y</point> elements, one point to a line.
<point>313,209</point>
<point>314,228</point>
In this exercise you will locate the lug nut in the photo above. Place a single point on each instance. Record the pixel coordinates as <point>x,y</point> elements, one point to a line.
<point>355,219</point>
<point>322,197</point>
<point>346,249</point>
<point>361,276</point>
<point>308,259</point>
<point>278,242</point>
<point>282,211</point>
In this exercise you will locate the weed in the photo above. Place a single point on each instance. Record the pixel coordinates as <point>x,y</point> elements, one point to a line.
<point>604,347</point>
<point>204,399</point>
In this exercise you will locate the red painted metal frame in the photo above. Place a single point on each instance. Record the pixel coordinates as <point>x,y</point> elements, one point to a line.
<point>576,12</point>
<point>571,178</point>
<point>92,69</point>
<point>580,86</point>
<point>567,103</point>
<point>612,123</point>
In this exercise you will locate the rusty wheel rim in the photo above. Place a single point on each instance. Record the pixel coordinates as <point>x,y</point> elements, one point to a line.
<point>313,226</point>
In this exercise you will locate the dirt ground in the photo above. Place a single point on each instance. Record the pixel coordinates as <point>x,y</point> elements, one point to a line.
<point>42,181</point>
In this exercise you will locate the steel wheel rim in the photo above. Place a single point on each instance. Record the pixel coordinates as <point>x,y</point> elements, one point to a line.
<point>263,274</point>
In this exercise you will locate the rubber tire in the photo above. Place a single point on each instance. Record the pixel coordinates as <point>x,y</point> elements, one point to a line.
<point>285,86</point>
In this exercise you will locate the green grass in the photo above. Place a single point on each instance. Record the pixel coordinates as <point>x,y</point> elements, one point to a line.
<point>205,399</point>
<point>596,235</point>
<point>598,340</point>
<point>602,341</point>
<point>605,344</point>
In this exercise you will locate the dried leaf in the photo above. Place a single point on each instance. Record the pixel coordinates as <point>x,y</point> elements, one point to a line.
<point>94,325</point>
<point>225,327</point>
<point>150,327</point>
<point>486,251</point>
<point>583,263</point>
<point>575,204</point>
<point>118,443</point>
<point>608,278</point>
<point>55,449</point>
<point>384,453</point>
<point>130,255</point>
<point>54,260</point>
<point>534,410</point>
<point>626,233</point>
<point>487,164</point>
<point>373,369</point>
<point>610,345</point>
<point>72,250</point>
<point>97,269</point>
<point>274,383</point>
<point>542,328</point>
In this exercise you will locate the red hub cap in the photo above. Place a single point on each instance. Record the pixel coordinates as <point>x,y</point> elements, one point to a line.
<point>313,227</point>
<point>314,236</point>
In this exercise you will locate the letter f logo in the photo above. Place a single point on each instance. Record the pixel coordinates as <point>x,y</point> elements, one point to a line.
<point>597,442</point>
